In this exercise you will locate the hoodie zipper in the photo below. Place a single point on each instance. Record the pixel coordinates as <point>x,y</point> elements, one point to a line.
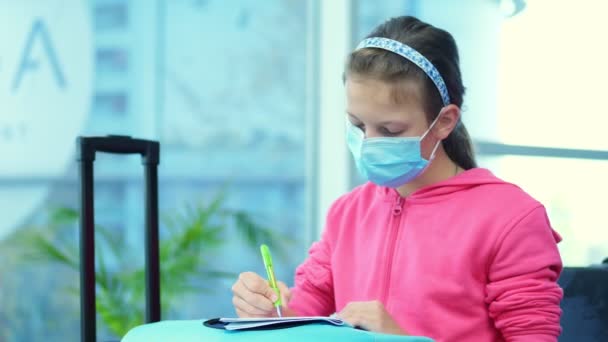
<point>396,220</point>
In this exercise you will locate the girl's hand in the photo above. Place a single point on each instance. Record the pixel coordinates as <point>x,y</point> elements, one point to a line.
<point>253,297</point>
<point>370,316</point>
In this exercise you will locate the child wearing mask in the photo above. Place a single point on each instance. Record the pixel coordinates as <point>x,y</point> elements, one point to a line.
<point>432,245</point>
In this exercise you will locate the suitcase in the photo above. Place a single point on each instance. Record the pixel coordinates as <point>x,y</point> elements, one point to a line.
<point>149,150</point>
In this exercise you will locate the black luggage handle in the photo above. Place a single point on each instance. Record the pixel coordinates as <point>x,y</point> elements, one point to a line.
<point>150,151</point>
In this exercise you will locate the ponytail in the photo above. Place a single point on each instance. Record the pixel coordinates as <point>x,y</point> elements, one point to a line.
<point>459,147</point>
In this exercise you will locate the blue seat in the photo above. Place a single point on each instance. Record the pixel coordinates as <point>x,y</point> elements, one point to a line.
<point>585,304</point>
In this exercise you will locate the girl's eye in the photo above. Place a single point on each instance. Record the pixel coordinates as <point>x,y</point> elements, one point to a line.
<point>360,126</point>
<point>386,132</point>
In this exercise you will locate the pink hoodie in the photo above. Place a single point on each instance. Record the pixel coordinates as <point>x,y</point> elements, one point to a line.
<point>472,258</point>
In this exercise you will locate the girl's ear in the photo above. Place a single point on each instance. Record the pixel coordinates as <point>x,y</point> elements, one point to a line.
<point>447,121</point>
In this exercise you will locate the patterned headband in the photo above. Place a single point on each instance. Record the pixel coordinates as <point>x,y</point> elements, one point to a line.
<point>414,57</point>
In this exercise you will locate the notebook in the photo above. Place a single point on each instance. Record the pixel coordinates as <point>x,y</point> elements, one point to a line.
<point>269,323</point>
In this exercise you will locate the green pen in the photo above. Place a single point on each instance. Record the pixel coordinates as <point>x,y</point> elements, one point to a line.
<point>271,279</point>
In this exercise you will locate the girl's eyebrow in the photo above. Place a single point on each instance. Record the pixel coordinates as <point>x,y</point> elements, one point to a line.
<point>352,116</point>
<point>383,123</point>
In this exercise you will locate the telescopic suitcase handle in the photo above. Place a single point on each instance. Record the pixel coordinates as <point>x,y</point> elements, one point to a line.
<point>150,152</point>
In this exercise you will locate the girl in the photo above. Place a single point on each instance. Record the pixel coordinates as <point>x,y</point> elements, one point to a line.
<point>431,245</point>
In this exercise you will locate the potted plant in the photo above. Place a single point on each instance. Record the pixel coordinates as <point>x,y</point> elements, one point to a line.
<point>188,240</point>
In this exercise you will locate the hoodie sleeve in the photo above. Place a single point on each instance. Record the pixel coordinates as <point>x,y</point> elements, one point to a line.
<point>522,292</point>
<point>313,294</point>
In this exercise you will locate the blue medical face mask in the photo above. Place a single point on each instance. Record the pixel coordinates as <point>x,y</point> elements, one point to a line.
<point>389,162</point>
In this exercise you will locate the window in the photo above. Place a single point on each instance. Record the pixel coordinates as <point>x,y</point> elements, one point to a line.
<point>550,104</point>
<point>225,87</point>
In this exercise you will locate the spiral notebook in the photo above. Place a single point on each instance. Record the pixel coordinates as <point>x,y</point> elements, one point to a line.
<point>269,323</point>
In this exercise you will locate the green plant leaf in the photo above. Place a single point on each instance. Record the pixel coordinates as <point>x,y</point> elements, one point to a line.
<point>216,203</point>
<point>101,273</point>
<point>63,216</point>
<point>113,242</point>
<point>43,249</point>
<point>255,235</point>
<point>189,238</point>
<point>119,311</point>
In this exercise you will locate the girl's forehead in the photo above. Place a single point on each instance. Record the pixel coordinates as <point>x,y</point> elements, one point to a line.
<point>370,97</point>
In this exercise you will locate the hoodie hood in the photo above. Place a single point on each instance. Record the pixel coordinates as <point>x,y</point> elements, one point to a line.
<point>447,188</point>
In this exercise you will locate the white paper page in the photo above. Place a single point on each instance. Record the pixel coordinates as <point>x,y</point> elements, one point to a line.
<point>246,323</point>
<point>279,319</point>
